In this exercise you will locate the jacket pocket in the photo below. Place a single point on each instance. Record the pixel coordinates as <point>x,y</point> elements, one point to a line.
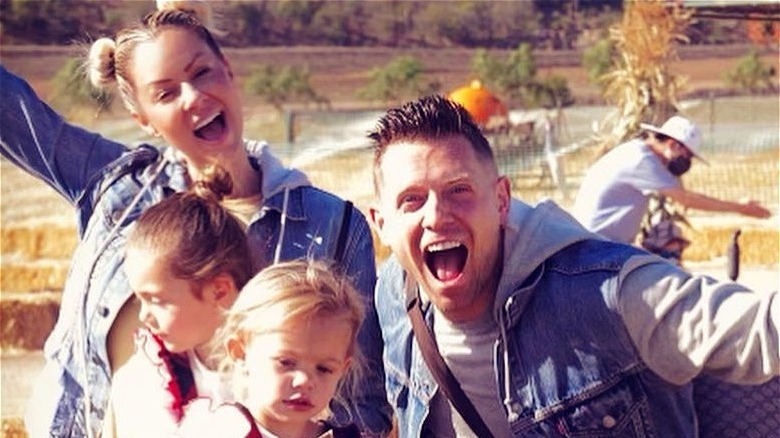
<point>621,411</point>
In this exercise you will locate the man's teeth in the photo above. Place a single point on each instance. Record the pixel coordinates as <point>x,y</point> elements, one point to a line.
<point>443,246</point>
<point>206,121</point>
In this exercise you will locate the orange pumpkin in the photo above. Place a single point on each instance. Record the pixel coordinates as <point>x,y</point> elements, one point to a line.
<point>479,102</point>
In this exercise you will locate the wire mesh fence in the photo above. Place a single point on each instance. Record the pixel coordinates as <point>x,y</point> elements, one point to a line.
<point>741,144</point>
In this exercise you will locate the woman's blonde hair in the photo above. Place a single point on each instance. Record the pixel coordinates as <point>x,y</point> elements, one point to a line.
<point>109,60</point>
<point>287,293</point>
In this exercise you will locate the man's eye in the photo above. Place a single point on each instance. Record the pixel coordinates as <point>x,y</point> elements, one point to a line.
<point>460,188</point>
<point>410,201</point>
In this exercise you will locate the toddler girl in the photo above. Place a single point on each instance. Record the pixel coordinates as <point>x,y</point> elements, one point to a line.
<point>290,340</point>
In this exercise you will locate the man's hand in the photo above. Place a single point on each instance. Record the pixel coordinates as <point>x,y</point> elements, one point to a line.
<point>754,209</point>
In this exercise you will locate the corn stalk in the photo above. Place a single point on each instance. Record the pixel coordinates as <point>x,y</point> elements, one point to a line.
<point>641,86</point>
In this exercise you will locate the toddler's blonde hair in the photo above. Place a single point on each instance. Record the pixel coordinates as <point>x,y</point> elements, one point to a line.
<point>287,293</point>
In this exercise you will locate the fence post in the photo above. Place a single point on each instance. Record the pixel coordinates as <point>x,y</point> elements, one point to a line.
<point>289,126</point>
<point>712,114</point>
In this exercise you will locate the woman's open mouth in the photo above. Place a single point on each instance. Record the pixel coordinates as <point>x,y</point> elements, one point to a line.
<point>212,129</point>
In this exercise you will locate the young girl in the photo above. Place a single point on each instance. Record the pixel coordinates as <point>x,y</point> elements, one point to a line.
<point>179,86</point>
<point>291,344</point>
<point>186,259</point>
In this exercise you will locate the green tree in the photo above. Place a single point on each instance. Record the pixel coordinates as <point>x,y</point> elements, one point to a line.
<point>751,74</point>
<point>294,18</point>
<point>281,86</point>
<point>344,23</point>
<point>72,89</point>
<point>50,21</point>
<point>468,23</point>
<point>514,79</point>
<point>487,68</point>
<point>248,23</point>
<point>394,22</point>
<point>400,78</point>
<point>552,92</point>
<point>598,60</point>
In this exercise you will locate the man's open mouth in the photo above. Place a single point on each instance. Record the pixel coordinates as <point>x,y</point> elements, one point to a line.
<point>446,260</point>
<point>212,129</point>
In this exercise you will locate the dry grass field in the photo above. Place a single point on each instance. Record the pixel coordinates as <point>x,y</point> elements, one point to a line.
<point>37,233</point>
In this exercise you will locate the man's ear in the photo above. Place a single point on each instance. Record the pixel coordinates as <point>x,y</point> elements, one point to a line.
<point>144,123</point>
<point>504,196</point>
<point>378,222</point>
<point>235,348</point>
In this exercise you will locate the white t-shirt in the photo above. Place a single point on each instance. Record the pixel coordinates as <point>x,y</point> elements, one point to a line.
<point>614,193</point>
<point>210,383</point>
<point>467,349</point>
<point>139,401</point>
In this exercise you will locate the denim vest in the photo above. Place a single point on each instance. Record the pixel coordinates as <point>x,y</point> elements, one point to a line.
<point>104,181</point>
<point>565,365</point>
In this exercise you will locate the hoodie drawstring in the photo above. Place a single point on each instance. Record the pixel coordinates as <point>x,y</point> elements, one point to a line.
<point>508,395</point>
<point>282,226</point>
<point>80,346</point>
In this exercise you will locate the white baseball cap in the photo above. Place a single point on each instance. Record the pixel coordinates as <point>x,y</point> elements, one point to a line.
<point>681,129</point>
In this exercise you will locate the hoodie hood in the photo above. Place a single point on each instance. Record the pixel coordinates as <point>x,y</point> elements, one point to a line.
<point>533,234</point>
<point>276,177</point>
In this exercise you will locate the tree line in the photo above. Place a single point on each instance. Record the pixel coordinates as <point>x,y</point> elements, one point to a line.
<point>522,26</point>
<point>543,24</point>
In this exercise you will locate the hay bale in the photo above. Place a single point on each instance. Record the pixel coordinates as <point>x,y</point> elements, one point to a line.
<point>33,276</point>
<point>39,241</point>
<point>27,319</point>
<point>13,428</point>
<point>758,246</point>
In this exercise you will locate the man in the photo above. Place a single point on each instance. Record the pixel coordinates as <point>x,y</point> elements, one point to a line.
<point>549,329</point>
<point>614,194</point>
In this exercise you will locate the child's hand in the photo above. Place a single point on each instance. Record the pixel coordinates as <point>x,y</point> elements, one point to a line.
<point>206,419</point>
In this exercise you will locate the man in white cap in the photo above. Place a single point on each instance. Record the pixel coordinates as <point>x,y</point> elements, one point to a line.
<point>614,194</point>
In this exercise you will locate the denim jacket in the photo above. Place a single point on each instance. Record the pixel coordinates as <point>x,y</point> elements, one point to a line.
<point>109,186</point>
<point>596,338</point>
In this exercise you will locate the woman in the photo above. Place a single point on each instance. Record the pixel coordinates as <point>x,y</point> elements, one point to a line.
<point>178,85</point>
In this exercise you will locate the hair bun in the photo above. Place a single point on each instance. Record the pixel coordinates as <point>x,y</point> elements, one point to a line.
<point>101,62</point>
<point>199,8</point>
<point>215,183</point>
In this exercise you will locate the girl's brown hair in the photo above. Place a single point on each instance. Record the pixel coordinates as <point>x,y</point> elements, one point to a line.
<point>194,234</point>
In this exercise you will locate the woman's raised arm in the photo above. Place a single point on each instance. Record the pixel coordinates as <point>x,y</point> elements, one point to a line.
<point>37,139</point>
